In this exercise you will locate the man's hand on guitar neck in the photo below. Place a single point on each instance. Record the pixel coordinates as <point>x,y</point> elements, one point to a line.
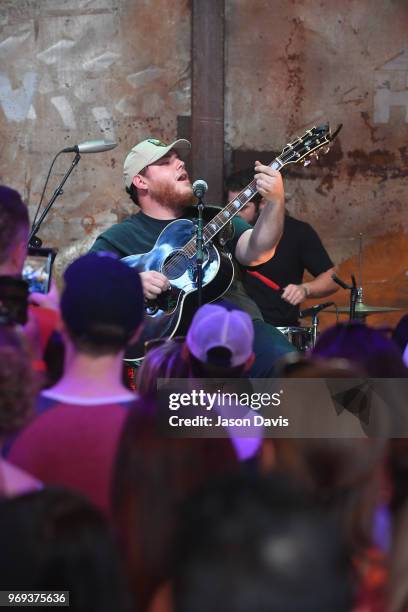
<point>258,245</point>
<point>154,283</point>
<point>269,183</point>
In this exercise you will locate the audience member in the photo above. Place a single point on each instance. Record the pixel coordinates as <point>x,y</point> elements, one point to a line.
<point>251,543</point>
<point>400,337</point>
<point>220,342</point>
<point>162,361</point>
<point>398,584</point>
<point>73,439</point>
<point>398,470</point>
<point>363,345</point>
<point>154,473</point>
<point>346,477</point>
<point>54,540</point>
<point>42,317</point>
<point>18,387</point>
<point>306,365</point>
<point>14,225</point>
<point>219,346</point>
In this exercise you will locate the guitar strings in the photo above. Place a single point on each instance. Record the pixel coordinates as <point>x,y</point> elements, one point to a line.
<point>171,266</point>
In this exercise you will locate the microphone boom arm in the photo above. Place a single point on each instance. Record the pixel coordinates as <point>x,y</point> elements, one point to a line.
<point>33,240</point>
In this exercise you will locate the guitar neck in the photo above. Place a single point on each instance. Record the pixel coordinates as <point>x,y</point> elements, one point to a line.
<point>293,153</point>
<point>225,215</point>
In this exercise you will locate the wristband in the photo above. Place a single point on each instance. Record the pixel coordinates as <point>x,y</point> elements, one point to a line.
<point>306,290</point>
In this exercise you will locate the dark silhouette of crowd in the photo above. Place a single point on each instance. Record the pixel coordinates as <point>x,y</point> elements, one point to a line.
<point>101,498</point>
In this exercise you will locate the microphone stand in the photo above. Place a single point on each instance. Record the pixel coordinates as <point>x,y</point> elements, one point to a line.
<point>315,325</point>
<point>199,248</point>
<point>313,312</point>
<point>33,240</point>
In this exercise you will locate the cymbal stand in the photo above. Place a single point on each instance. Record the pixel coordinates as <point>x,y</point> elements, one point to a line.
<point>354,292</point>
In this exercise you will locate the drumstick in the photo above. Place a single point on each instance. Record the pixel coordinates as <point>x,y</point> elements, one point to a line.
<point>267,281</point>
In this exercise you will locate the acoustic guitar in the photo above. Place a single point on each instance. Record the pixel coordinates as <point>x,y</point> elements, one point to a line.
<point>174,253</point>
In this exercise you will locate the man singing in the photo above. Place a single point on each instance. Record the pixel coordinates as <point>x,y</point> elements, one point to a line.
<point>157,181</point>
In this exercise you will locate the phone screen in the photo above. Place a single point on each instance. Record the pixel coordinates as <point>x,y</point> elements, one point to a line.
<point>38,269</point>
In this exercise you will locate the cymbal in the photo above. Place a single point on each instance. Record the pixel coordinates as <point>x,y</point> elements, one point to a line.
<point>362,309</point>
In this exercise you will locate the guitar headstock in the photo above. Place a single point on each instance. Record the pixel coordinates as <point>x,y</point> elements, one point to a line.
<point>303,147</point>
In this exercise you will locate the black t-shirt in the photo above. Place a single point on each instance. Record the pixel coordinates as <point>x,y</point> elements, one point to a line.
<point>137,234</point>
<point>299,249</point>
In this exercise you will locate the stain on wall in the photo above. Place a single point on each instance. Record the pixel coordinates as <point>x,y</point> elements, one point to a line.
<point>77,70</point>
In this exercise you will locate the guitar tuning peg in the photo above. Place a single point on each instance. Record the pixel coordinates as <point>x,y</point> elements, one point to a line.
<point>315,155</point>
<point>306,162</point>
<point>325,150</point>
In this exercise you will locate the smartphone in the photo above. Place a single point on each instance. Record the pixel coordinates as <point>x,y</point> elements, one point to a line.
<point>37,269</point>
<point>13,300</point>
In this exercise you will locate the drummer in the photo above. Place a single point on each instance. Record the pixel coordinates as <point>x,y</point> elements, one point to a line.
<point>277,286</point>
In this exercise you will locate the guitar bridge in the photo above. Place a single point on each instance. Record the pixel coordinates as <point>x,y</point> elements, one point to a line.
<point>165,302</point>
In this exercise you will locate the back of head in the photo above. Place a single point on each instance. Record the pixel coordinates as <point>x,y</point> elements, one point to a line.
<point>363,345</point>
<point>14,221</point>
<point>18,384</point>
<point>56,540</point>
<point>344,476</point>
<point>154,473</point>
<point>304,365</point>
<point>251,543</point>
<point>164,361</point>
<point>220,341</point>
<point>102,303</point>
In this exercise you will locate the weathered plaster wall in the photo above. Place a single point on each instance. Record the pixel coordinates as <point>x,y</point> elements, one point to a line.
<point>293,64</point>
<point>79,70</point>
<point>74,70</point>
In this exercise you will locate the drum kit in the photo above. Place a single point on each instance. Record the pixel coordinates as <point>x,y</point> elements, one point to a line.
<point>300,337</point>
<point>304,338</point>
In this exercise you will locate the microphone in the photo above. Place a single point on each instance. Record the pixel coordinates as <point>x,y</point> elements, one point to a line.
<point>91,146</point>
<point>310,312</point>
<point>200,187</point>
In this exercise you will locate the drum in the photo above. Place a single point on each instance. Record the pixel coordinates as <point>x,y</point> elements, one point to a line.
<point>300,337</point>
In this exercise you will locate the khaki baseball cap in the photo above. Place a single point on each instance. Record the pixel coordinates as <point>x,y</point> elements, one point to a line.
<point>149,151</point>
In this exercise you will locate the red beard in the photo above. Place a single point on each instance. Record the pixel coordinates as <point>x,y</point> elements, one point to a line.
<point>171,197</point>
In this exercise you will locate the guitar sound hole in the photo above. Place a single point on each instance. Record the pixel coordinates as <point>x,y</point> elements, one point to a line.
<point>175,265</point>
